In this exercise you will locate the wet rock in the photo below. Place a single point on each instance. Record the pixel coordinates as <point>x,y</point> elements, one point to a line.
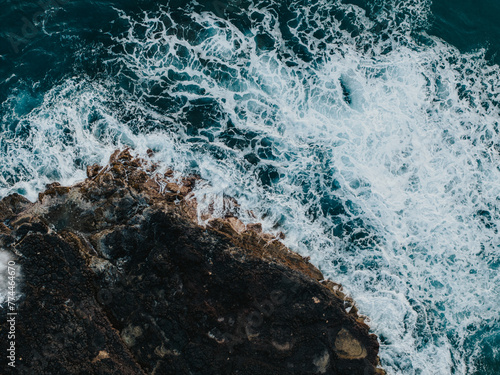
<point>118,277</point>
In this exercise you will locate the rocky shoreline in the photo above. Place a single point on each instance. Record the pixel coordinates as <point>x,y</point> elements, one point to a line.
<point>118,277</point>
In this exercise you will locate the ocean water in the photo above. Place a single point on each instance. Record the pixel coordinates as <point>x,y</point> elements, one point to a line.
<point>366,131</point>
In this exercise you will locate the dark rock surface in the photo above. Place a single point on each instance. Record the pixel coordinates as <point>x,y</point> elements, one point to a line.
<point>118,278</point>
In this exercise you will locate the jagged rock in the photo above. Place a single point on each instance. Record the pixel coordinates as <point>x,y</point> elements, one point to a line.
<point>119,278</point>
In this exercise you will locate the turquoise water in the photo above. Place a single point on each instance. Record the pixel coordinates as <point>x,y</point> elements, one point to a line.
<point>367,131</point>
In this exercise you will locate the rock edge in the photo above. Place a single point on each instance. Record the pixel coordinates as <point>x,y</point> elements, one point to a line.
<point>119,278</point>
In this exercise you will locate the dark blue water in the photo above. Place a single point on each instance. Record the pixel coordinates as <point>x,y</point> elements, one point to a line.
<point>43,40</point>
<point>365,130</point>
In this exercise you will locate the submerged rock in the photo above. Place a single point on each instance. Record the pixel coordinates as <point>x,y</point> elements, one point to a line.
<point>119,278</point>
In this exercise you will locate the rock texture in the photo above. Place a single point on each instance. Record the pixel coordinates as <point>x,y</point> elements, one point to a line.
<point>119,278</point>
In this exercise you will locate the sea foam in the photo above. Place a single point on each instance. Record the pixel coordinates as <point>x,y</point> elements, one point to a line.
<point>376,152</point>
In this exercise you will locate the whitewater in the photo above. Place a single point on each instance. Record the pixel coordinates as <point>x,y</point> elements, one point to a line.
<point>371,144</point>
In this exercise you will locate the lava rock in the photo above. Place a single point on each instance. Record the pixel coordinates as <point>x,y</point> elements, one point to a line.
<point>117,277</point>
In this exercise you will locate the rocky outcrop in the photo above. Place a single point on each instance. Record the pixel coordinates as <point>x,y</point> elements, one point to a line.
<point>118,277</point>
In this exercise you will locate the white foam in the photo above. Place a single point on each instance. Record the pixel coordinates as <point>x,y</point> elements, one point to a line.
<point>411,154</point>
<point>405,158</point>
